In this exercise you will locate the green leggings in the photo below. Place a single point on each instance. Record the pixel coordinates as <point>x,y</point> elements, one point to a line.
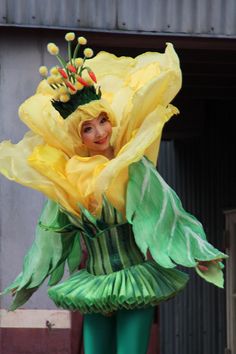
<point>126,331</point>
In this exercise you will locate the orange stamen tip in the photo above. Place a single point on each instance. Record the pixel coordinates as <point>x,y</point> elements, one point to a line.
<point>82,81</point>
<point>71,68</point>
<point>93,77</point>
<point>68,84</point>
<point>63,73</point>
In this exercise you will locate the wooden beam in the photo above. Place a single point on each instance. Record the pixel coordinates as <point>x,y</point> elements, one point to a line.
<point>142,41</point>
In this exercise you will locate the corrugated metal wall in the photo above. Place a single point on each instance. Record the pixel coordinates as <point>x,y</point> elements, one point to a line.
<point>203,173</point>
<point>20,58</point>
<point>201,17</point>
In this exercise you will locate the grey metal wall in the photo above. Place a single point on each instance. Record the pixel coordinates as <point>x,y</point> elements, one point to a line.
<point>191,17</point>
<point>203,173</point>
<point>19,206</point>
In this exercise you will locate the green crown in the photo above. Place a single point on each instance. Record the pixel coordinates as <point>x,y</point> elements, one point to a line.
<point>86,95</point>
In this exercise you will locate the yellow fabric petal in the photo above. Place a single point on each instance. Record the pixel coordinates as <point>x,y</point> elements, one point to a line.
<point>139,77</point>
<point>104,64</point>
<point>14,166</point>
<point>160,90</point>
<point>45,89</point>
<point>82,172</point>
<point>152,150</point>
<point>116,192</point>
<point>51,163</point>
<point>39,115</point>
<point>13,159</point>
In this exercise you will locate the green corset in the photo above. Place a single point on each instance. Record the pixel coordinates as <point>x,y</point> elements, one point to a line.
<point>112,250</point>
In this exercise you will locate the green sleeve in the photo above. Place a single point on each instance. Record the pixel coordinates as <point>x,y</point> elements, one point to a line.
<point>161,225</point>
<point>56,241</point>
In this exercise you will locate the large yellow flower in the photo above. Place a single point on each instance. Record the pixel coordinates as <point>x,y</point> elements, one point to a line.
<point>52,160</point>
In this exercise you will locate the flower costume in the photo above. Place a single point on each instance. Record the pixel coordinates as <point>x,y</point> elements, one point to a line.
<point>120,207</point>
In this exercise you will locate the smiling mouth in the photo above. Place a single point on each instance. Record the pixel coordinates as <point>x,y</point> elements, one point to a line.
<point>101,141</point>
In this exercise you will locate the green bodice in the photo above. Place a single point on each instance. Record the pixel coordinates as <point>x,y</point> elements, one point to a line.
<point>112,250</point>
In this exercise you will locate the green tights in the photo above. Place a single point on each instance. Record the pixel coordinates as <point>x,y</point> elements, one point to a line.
<point>126,331</point>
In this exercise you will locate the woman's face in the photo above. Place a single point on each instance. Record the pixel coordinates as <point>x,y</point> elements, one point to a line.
<point>96,134</point>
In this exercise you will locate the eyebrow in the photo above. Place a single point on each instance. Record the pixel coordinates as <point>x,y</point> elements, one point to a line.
<point>87,124</point>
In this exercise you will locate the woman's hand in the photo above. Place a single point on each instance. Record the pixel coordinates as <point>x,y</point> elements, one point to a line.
<point>203,266</point>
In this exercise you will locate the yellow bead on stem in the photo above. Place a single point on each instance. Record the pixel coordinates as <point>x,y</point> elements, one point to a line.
<point>88,52</point>
<point>52,49</point>
<point>64,98</point>
<point>70,36</point>
<point>82,40</point>
<point>43,70</point>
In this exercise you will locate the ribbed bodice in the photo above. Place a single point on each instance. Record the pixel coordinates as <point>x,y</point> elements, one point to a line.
<point>112,250</point>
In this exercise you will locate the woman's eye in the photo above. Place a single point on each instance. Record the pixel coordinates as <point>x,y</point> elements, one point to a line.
<point>87,129</point>
<point>103,120</point>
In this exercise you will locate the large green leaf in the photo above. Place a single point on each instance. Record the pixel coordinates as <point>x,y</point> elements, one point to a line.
<point>75,255</point>
<point>54,243</point>
<point>160,223</point>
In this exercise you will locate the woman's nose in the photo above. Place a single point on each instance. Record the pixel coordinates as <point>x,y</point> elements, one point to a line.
<point>99,131</point>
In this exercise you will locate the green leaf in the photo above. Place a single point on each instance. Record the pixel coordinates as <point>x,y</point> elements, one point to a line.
<point>22,297</point>
<point>13,285</point>
<point>160,223</point>
<point>47,254</point>
<point>74,258</point>
<point>108,212</point>
<point>53,218</point>
<point>57,274</point>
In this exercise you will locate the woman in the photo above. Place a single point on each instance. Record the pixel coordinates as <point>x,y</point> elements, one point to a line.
<point>101,330</point>
<point>93,156</point>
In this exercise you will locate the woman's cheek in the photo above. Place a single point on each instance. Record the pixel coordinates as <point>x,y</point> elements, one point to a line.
<point>86,139</point>
<point>109,128</point>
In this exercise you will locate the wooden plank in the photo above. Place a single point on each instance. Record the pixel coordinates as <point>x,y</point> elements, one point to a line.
<point>35,319</point>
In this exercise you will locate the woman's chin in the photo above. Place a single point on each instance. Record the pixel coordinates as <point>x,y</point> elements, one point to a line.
<point>101,147</point>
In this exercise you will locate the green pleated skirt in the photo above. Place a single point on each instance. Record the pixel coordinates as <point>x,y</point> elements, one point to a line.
<point>116,277</point>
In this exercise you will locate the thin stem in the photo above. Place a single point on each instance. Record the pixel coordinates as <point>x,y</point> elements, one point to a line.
<point>69,51</point>
<point>82,66</point>
<point>76,50</point>
<point>73,78</point>
<point>63,64</point>
<point>61,61</point>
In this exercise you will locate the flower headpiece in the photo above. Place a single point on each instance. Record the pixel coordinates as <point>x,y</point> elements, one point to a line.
<point>71,88</point>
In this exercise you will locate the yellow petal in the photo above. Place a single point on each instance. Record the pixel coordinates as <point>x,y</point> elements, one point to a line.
<point>139,77</point>
<point>39,115</point>
<point>82,173</point>
<point>14,166</point>
<point>104,64</point>
<point>51,163</point>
